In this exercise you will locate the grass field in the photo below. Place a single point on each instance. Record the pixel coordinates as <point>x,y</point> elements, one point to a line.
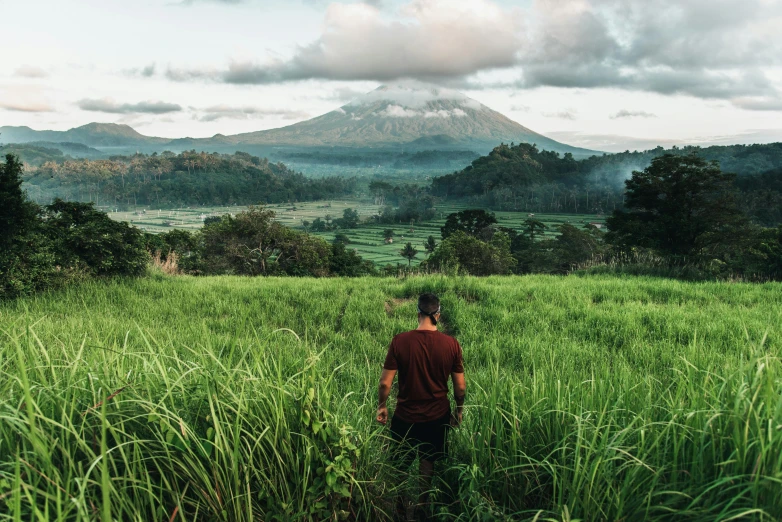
<point>234,399</point>
<point>368,240</point>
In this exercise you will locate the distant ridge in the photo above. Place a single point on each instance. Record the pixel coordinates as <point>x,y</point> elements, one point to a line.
<point>91,135</point>
<point>407,115</point>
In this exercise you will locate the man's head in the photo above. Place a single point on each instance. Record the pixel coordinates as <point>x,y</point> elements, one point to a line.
<point>428,307</point>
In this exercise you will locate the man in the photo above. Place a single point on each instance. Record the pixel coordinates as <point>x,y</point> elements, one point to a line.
<point>425,358</point>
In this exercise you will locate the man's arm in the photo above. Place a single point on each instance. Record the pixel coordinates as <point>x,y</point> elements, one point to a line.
<point>459,391</point>
<point>383,389</point>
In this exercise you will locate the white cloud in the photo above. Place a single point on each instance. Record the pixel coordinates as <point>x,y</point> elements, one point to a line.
<point>25,98</point>
<point>427,39</point>
<point>28,71</point>
<point>624,113</point>
<point>397,111</point>
<point>219,112</point>
<point>112,107</point>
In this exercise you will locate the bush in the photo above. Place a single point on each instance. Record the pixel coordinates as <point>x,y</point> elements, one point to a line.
<point>82,236</point>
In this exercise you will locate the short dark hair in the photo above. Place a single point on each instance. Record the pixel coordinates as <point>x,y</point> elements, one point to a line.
<point>428,304</point>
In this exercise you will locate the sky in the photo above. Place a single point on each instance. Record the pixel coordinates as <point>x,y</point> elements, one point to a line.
<point>603,74</point>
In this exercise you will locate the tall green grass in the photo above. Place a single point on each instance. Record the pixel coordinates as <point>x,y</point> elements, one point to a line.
<point>592,398</point>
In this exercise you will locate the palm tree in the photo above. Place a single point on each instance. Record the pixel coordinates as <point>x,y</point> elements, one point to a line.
<point>409,252</point>
<point>430,245</point>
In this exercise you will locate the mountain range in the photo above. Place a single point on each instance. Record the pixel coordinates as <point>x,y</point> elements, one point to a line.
<point>406,116</point>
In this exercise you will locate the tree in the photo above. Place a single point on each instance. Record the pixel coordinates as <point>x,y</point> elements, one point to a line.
<point>26,261</point>
<point>471,222</point>
<point>341,238</point>
<point>463,252</point>
<point>318,225</point>
<point>679,206</point>
<point>388,234</point>
<point>84,237</point>
<point>253,243</point>
<point>409,252</point>
<point>18,215</point>
<point>346,263</point>
<point>349,218</point>
<point>430,245</point>
<point>533,227</point>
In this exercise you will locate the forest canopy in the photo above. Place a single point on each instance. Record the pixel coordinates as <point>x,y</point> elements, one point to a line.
<point>168,179</point>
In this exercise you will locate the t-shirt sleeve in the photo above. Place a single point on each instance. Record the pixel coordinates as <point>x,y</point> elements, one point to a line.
<point>458,361</point>
<point>390,363</point>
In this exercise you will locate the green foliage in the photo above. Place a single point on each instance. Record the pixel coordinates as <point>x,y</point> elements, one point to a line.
<point>408,252</point>
<point>461,252</point>
<point>472,222</point>
<point>84,237</point>
<point>347,263</point>
<point>430,244</point>
<point>167,180</point>
<point>253,244</point>
<point>521,178</point>
<point>349,218</point>
<point>27,262</point>
<point>17,213</point>
<point>679,206</point>
<point>341,238</point>
<point>534,227</point>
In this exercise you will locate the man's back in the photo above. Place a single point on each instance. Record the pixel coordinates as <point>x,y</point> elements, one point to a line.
<point>424,360</point>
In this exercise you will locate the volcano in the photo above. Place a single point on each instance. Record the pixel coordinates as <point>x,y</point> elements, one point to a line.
<point>414,115</point>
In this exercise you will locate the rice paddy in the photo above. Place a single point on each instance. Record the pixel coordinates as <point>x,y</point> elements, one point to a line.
<point>368,240</point>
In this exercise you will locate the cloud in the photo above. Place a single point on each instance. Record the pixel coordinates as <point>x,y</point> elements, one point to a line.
<point>27,71</point>
<point>430,39</point>
<point>397,111</point>
<point>709,49</point>
<point>570,114</point>
<point>26,106</point>
<point>219,112</point>
<point>763,103</point>
<point>624,113</point>
<point>110,106</point>
<point>24,98</point>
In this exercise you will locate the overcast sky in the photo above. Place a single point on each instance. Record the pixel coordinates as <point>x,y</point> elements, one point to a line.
<point>606,74</point>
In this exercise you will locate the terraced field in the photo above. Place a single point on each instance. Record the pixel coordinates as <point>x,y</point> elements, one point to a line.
<point>368,240</point>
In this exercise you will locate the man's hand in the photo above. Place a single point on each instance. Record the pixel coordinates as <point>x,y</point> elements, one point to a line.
<point>382,415</point>
<point>456,419</point>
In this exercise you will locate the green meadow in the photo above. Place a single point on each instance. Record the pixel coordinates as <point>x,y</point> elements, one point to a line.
<point>235,399</point>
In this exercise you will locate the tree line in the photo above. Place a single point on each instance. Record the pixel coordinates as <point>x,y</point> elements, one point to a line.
<point>168,179</point>
<point>523,178</point>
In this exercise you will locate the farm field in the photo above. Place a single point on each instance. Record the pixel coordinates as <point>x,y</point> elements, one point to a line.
<point>236,399</point>
<point>367,240</point>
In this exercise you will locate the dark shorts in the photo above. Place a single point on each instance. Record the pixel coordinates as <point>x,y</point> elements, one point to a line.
<point>423,439</point>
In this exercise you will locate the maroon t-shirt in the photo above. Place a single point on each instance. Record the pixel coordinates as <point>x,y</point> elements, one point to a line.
<point>425,360</point>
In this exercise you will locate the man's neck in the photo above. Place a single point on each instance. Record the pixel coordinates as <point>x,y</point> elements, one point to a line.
<point>427,326</point>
